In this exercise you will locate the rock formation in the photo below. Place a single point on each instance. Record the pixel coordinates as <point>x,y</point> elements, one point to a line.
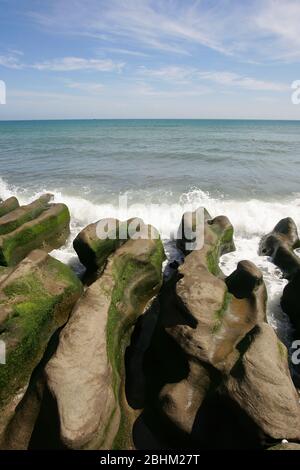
<point>280,245</point>
<point>219,326</point>
<point>8,205</point>
<point>37,225</point>
<point>87,373</point>
<point>36,299</point>
<point>130,361</point>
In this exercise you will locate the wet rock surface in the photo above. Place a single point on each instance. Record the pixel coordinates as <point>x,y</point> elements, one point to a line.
<point>130,361</point>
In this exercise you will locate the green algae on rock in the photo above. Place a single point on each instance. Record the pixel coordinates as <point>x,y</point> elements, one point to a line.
<point>8,205</point>
<point>38,225</point>
<point>36,299</point>
<point>97,241</point>
<point>90,354</point>
<point>19,216</point>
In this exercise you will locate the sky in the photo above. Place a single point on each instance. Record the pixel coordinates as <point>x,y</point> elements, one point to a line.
<point>224,59</point>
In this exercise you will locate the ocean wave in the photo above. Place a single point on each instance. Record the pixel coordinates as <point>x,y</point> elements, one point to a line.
<point>251,219</point>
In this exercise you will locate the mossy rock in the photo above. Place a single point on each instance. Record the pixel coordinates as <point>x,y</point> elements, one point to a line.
<point>49,230</point>
<point>36,299</point>
<point>199,232</point>
<point>137,280</point>
<point>206,321</point>
<point>23,214</point>
<point>96,242</point>
<point>103,319</point>
<point>8,205</point>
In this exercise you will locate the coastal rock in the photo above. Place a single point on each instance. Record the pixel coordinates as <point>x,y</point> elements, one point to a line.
<point>87,373</point>
<point>244,281</point>
<point>236,364</point>
<point>217,320</point>
<point>260,383</point>
<point>290,302</point>
<point>23,214</point>
<point>201,316</point>
<point>198,228</point>
<point>18,432</point>
<point>38,225</point>
<point>36,299</point>
<point>97,241</point>
<point>286,446</point>
<point>8,205</point>
<point>80,376</point>
<point>279,245</point>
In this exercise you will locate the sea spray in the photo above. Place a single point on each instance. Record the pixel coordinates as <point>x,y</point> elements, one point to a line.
<point>251,219</point>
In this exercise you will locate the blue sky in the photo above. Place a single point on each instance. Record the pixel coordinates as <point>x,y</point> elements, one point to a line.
<point>149,58</point>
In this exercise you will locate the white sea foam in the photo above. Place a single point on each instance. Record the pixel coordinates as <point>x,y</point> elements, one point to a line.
<point>251,219</point>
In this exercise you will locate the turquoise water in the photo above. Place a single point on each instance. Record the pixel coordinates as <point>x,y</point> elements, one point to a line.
<point>237,159</point>
<point>247,170</point>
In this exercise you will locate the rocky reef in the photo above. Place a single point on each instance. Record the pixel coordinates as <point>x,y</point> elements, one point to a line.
<point>128,358</point>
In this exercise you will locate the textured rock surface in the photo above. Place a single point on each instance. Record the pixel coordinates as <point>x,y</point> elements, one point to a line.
<point>230,370</point>
<point>260,383</point>
<point>86,375</point>
<point>279,244</point>
<point>36,299</point>
<point>286,446</point>
<point>23,214</point>
<point>8,205</point>
<point>19,430</point>
<point>38,225</point>
<point>98,240</point>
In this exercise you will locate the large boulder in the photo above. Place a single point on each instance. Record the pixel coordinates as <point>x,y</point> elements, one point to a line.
<point>18,432</point>
<point>280,245</point>
<point>212,320</point>
<point>23,214</point>
<point>97,241</point>
<point>198,231</point>
<point>261,385</point>
<point>86,375</point>
<point>290,302</point>
<point>8,205</point>
<point>38,225</point>
<point>36,299</point>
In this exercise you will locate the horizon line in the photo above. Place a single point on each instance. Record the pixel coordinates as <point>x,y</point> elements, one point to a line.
<point>150,119</point>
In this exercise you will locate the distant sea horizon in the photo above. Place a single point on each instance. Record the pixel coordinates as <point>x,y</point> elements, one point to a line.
<point>152,119</point>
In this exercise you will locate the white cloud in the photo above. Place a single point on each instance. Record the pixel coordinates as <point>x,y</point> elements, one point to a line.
<point>190,75</point>
<point>117,50</point>
<point>252,31</point>
<point>247,83</point>
<point>11,61</point>
<point>89,87</point>
<point>280,20</point>
<point>164,25</point>
<point>172,73</point>
<point>147,90</point>
<point>69,64</point>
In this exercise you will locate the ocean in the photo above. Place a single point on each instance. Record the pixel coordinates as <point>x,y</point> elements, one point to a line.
<point>247,170</point>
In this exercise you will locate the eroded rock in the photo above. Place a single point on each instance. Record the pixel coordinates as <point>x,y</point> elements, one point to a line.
<point>86,375</point>
<point>37,225</point>
<point>36,299</point>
